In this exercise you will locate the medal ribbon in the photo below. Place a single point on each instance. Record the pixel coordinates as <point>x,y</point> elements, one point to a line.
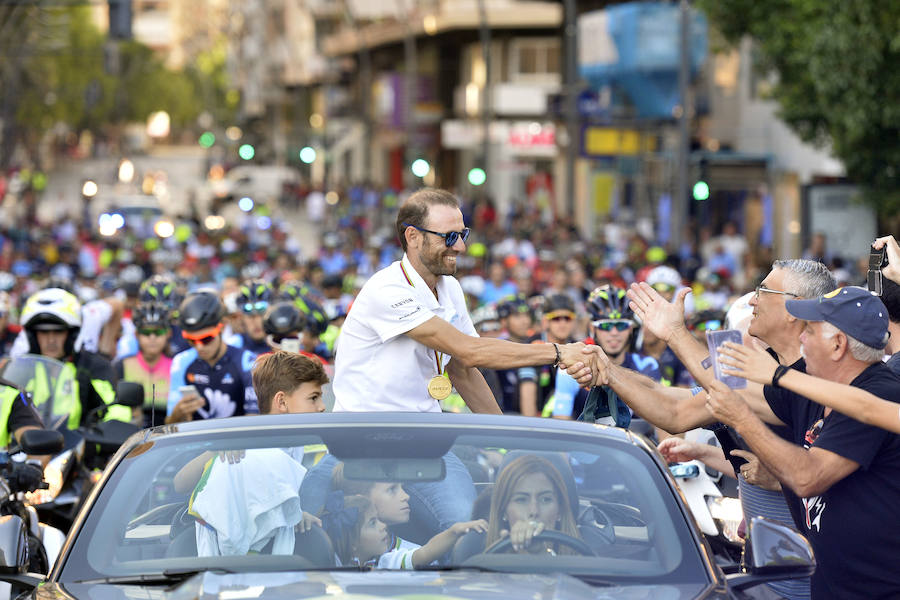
<point>438,357</point>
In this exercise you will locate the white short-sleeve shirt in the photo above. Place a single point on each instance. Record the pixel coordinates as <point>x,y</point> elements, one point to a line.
<point>378,368</point>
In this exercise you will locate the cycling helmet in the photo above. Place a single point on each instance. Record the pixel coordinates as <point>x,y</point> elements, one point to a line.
<point>665,277</point>
<point>7,281</point>
<point>291,290</point>
<point>151,314</point>
<point>160,289</point>
<point>485,318</point>
<point>283,318</point>
<point>609,302</point>
<point>255,296</point>
<point>51,309</point>
<point>317,320</point>
<point>130,280</point>
<point>200,310</point>
<point>513,304</point>
<point>558,305</point>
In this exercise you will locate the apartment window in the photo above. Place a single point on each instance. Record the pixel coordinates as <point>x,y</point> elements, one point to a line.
<point>535,59</point>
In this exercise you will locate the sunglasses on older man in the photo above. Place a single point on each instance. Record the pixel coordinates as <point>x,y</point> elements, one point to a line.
<point>449,238</point>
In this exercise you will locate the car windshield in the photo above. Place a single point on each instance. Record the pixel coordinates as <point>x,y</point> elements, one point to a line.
<point>598,507</point>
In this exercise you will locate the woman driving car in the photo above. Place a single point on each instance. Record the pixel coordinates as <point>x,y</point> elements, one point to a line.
<point>530,497</point>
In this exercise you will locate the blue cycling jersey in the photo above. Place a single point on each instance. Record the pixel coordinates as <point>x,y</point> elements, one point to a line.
<point>226,386</point>
<point>244,341</point>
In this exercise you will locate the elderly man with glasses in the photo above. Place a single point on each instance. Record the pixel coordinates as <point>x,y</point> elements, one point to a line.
<point>678,409</point>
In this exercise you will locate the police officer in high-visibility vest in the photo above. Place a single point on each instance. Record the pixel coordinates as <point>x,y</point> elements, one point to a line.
<point>51,319</point>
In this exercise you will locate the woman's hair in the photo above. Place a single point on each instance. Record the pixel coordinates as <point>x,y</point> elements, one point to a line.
<point>349,487</point>
<point>510,476</point>
<point>342,519</point>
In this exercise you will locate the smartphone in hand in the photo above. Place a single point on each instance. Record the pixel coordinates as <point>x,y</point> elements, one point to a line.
<point>188,390</point>
<point>714,339</point>
<point>874,276</point>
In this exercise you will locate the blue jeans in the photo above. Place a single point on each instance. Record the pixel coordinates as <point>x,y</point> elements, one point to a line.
<point>436,505</point>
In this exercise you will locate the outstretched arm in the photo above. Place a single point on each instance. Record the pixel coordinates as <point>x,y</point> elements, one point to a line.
<point>856,403</point>
<point>492,353</point>
<point>442,543</point>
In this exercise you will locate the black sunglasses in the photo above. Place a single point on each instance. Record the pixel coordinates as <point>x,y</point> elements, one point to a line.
<point>449,238</point>
<point>148,331</point>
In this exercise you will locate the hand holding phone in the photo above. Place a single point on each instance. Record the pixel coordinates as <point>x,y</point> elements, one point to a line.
<point>874,276</point>
<point>188,390</point>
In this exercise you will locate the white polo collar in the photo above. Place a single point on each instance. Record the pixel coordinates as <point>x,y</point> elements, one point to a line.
<point>412,277</point>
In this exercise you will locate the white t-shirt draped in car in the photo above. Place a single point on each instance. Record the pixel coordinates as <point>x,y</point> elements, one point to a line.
<point>378,368</point>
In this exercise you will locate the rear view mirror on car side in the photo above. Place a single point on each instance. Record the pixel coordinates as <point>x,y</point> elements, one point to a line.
<point>773,551</point>
<point>407,470</point>
<point>129,393</point>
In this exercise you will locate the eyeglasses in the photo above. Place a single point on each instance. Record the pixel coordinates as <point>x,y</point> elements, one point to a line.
<point>203,340</point>
<point>560,315</point>
<point>712,325</point>
<point>255,308</point>
<point>610,324</point>
<point>762,288</point>
<point>159,331</point>
<point>449,238</point>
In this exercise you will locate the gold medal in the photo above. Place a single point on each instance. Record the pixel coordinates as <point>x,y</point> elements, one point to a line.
<point>439,387</point>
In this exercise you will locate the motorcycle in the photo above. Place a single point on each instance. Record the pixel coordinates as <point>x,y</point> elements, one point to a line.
<point>87,448</point>
<point>718,514</point>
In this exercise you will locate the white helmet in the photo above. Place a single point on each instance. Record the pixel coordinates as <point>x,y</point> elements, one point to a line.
<point>666,275</point>
<point>51,308</point>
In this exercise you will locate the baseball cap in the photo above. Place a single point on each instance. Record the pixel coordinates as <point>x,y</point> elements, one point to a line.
<point>853,310</point>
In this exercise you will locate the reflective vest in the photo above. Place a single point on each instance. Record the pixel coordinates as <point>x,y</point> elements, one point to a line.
<point>67,398</point>
<point>8,395</point>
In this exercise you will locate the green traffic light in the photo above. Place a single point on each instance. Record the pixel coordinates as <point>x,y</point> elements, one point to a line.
<point>701,190</point>
<point>207,139</point>
<point>246,151</point>
<point>477,176</point>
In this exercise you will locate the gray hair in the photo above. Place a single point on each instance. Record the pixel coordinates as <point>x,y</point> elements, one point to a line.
<point>808,278</point>
<point>858,350</point>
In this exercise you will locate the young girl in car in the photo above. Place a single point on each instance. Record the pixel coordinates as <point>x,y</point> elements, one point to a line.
<point>360,537</point>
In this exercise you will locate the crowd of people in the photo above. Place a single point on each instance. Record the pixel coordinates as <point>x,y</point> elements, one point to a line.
<point>190,317</point>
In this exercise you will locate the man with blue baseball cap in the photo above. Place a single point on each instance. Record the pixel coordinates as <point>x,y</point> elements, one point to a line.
<point>844,476</point>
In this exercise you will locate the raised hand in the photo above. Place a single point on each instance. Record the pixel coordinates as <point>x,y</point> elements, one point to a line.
<point>892,250</point>
<point>748,362</point>
<point>676,449</point>
<point>663,319</point>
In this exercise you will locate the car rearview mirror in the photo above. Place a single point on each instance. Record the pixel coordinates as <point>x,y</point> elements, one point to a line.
<point>42,441</point>
<point>407,470</point>
<point>773,551</point>
<point>129,393</point>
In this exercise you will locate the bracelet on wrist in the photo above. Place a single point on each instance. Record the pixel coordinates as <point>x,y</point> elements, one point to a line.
<point>779,373</point>
<point>558,357</point>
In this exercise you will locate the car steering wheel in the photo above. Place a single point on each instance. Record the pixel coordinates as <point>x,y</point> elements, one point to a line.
<point>547,535</point>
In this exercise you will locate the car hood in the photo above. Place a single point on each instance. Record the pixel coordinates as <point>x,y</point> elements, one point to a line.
<point>374,585</point>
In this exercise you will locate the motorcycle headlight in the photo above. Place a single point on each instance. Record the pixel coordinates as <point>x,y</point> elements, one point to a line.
<point>728,514</point>
<point>53,475</point>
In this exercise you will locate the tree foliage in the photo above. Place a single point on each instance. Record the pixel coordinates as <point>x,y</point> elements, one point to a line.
<point>838,84</point>
<point>63,69</point>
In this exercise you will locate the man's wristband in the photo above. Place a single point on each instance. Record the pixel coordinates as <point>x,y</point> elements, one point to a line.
<point>779,373</point>
<point>558,357</point>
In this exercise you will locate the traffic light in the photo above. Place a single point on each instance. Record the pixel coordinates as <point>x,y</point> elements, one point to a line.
<point>701,190</point>
<point>420,167</point>
<point>207,139</point>
<point>247,151</point>
<point>477,176</point>
<point>308,155</point>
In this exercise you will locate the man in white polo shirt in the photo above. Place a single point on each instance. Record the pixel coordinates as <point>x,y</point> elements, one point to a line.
<point>408,336</point>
